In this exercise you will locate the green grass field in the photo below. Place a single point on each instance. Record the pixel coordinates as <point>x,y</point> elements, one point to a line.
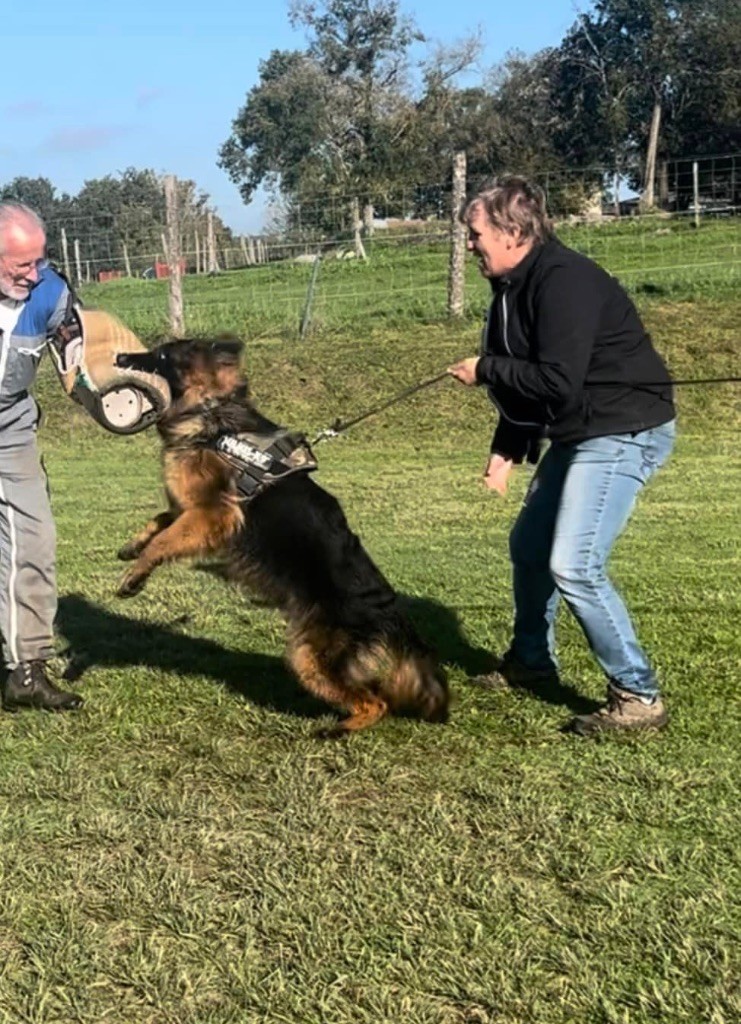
<point>183,851</point>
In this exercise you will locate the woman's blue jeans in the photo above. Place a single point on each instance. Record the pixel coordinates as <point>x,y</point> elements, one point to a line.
<point>577,505</point>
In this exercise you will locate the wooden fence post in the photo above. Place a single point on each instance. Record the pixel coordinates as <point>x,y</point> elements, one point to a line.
<point>368,224</point>
<point>357,224</point>
<point>177,322</point>
<point>78,263</point>
<point>457,265</point>
<point>306,315</point>
<point>368,219</point>
<point>65,255</point>
<point>213,263</point>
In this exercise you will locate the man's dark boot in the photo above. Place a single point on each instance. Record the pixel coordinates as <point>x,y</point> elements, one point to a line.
<point>27,686</point>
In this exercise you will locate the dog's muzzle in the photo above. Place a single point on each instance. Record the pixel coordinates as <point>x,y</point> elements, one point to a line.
<point>142,362</point>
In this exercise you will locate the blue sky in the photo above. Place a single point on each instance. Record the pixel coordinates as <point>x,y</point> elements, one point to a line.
<point>90,89</point>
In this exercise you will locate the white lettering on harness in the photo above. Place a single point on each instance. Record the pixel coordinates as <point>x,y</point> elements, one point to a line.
<point>243,450</point>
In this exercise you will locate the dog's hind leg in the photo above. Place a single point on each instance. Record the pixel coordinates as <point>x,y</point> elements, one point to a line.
<point>365,709</point>
<point>134,547</point>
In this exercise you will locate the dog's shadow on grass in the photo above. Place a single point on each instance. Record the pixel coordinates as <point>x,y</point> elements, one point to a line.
<point>100,637</point>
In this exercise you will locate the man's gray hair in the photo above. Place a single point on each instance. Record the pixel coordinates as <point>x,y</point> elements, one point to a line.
<point>512,204</point>
<point>20,215</point>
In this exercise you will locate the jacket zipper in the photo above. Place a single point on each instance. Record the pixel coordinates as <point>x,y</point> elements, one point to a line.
<point>484,347</point>
<point>505,339</point>
<point>505,321</point>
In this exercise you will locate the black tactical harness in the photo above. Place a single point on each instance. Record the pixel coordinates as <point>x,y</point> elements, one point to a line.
<point>264,459</point>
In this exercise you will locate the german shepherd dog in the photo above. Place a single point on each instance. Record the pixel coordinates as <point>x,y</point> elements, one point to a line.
<point>348,640</point>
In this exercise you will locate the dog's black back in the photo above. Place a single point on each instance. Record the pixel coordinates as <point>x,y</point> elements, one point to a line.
<point>299,535</point>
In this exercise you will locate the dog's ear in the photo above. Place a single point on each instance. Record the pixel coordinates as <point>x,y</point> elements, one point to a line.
<point>227,351</point>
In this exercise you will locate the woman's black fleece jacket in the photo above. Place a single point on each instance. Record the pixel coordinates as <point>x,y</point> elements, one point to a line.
<point>565,356</point>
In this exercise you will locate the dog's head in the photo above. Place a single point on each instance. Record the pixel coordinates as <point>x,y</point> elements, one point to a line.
<point>194,369</point>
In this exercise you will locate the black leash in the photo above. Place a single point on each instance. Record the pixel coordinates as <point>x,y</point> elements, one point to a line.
<point>338,427</point>
<point>679,383</point>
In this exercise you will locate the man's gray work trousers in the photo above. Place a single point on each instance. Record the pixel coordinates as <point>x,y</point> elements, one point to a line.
<point>28,592</point>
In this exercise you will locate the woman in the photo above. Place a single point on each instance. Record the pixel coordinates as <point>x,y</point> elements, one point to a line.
<point>566,357</point>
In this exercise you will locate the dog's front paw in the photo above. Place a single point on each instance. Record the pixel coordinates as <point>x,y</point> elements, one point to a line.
<point>128,552</point>
<point>131,584</point>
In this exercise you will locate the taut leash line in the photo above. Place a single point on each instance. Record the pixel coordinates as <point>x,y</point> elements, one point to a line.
<point>679,383</point>
<point>338,427</point>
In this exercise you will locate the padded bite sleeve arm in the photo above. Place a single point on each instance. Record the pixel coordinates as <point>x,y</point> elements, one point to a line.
<point>84,349</point>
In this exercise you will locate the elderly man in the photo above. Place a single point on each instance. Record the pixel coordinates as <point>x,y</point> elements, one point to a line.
<point>33,303</point>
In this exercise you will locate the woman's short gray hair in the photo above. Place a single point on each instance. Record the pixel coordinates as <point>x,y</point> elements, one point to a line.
<point>512,204</point>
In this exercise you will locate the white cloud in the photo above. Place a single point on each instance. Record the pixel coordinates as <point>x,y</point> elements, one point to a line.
<point>76,140</point>
<point>27,108</point>
<point>147,96</point>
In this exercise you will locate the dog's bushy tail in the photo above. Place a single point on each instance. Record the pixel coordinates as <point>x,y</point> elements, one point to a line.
<point>420,687</point>
<point>405,674</point>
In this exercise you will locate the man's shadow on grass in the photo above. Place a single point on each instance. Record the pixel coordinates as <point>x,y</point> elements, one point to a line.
<point>101,637</point>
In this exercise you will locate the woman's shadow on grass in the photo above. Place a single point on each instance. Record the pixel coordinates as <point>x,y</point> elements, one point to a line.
<point>442,627</point>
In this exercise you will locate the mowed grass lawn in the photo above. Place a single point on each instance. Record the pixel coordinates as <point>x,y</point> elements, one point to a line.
<point>183,851</point>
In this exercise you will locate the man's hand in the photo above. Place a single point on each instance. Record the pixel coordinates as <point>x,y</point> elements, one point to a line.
<point>497,473</point>
<point>465,370</point>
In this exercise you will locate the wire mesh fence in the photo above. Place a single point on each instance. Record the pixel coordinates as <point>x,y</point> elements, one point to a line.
<point>348,262</point>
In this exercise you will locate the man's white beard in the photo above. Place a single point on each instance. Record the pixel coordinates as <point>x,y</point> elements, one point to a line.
<point>16,292</point>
